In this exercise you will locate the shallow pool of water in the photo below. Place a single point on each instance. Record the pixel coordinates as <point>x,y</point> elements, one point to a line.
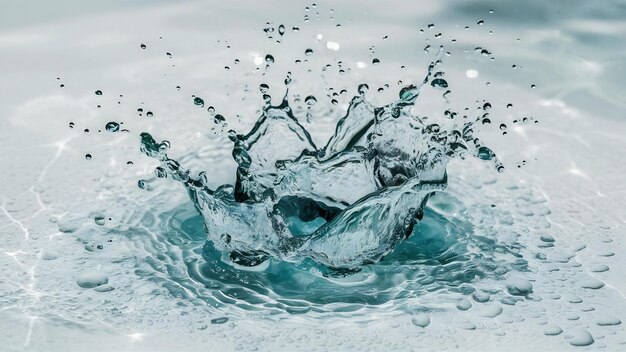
<point>98,253</point>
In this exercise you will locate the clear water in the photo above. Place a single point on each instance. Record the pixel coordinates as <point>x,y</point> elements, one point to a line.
<point>100,253</point>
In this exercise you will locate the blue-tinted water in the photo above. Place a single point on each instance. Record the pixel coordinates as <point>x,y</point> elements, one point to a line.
<point>527,258</point>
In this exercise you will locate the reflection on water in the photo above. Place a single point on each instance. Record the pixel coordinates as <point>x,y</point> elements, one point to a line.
<point>528,257</point>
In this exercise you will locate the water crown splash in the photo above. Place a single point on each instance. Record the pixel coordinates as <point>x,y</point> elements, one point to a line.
<point>344,205</point>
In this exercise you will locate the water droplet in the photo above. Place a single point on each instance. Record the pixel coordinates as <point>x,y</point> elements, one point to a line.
<point>149,114</point>
<point>487,106</point>
<point>88,156</point>
<point>579,337</point>
<point>421,320</point>
<point>198,101</point>
<point>112,126</point>
<point>221,320</point>
<point>533,86</point>
<point>143,184</point>
<point>160,172</point>
<point>310,100</point>
<point>269,59</point>
<point>519,286</point>
<point>91,279</point>
<point>552,330</point>
<point>481,22</point>
<point>99,219</point>
<point>363,88</point>
<point>281,29</point>
<point>71,124</point>
<point>98,92</point>
<point>308,52</point>
<point>502,127</point>
<point>439,83</point>
<point>218,119</point>
<point>211,110</point>
<point>143,46</point>
<point>509,105</point>
<point>375,61</point>
<point>485,153</point>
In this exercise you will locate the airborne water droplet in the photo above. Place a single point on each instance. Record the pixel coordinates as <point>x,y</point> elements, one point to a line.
<point>439,83</point>
<point>143,184</point>
<point>308,52</point>
<point>198,101</point>
<point>112,126</point>
<point>218,119</point>
<point>160,172</point>
<point>88,156</point>
<point>363,88</point>
<point>310,100</point>
<point>98,92</point>
<point>375,61</point>
<point>485,153</point>
<point>269,59</point>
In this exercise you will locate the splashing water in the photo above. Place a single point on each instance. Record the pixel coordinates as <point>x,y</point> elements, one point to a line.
<point>344,205</point>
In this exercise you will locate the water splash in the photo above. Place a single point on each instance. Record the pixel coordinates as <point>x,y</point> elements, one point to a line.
<point>344,205</point>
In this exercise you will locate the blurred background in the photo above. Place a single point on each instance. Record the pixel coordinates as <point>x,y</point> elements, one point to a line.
<point>69,188</point>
